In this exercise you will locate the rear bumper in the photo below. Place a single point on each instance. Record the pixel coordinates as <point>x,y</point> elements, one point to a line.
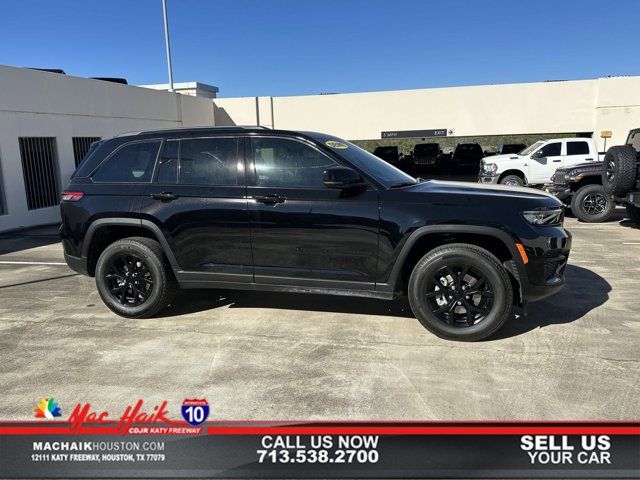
<point>78,264</point>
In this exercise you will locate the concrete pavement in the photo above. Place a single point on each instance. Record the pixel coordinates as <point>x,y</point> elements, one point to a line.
<point>265,356</point>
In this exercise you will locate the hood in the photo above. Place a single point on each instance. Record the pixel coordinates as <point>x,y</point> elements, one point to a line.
<point>479,189</point>
<point>502,157</point>
<point>589,165</point>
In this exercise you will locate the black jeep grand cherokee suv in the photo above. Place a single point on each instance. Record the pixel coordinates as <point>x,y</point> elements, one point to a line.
<point>251,208</point>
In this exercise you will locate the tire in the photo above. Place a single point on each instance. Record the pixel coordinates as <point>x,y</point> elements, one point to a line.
<point>437,313</point>
<point>592,204</point>
<point>619,170</point>
<point>634,214</point>
<point>513,181</point>
<point>134,279</point>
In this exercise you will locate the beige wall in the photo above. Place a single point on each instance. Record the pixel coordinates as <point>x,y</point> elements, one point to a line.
<point>536,108</point>
<point>42,104</point>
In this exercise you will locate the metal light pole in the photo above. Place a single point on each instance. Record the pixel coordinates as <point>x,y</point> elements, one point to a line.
<point>166,41</point>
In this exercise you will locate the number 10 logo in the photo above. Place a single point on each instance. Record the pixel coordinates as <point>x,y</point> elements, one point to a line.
<point>195,411</point>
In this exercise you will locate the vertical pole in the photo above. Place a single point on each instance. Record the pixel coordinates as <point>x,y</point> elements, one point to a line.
<point>166,41</point>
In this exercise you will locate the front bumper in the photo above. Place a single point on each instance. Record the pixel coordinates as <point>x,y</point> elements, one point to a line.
<point>488,178</point>
<point>561,192</point>
<point>548,254</point>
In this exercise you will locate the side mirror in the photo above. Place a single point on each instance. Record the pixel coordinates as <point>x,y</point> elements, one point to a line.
<point>342,178</point>
<point>538,154</point>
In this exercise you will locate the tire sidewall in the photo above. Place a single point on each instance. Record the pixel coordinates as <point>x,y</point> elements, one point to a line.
<point>418,284</point>
<point>577,204</point>
<point>517,179</point>
<point>151,261</point>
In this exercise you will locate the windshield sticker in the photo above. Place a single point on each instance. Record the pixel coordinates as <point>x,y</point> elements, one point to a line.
<point>336,145</point>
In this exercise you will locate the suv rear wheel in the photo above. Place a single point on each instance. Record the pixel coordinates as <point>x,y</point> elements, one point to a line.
<point>133,278</point>
<point>460,292</point>
<point>592,204</point>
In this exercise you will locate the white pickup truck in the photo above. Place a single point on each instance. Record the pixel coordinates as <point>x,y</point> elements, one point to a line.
<point>537,163</point>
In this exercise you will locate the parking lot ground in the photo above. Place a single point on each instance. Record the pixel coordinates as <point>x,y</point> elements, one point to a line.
<point>256,355</point>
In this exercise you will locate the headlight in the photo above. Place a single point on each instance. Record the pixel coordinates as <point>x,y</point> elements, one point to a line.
<point>489,167</point>
<point>574,175</point>
<point>544,217</point>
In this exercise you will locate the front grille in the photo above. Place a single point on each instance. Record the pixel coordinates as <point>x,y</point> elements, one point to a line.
<point>559,178</point>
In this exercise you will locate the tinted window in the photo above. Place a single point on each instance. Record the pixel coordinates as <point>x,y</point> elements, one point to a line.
<point>288,163</point>
<point>130,164</point>
<point>209,161</point>
<point>383,172</point>
<point>168,164</point>
<point>577,148</point>
<point>550,150</point>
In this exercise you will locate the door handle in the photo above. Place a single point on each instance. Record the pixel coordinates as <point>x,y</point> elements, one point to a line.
<point>164,196</point>
<point>588,159</point>
<point>270,199</point>
<point>556,161</point>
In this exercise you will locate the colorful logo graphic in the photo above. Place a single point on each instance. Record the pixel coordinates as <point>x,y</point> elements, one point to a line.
<point>195,411</point>
<point>47,408</point>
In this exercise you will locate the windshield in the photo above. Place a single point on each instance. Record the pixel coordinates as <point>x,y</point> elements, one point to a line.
<point>531,148</point>
<point>386,174</point>
<point>426,149</point>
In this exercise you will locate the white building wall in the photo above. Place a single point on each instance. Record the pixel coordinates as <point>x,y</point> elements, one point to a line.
<point>524,108</point>
<point>42,104</point>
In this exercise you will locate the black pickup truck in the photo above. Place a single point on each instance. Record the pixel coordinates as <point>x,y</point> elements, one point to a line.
<point>592,190</point>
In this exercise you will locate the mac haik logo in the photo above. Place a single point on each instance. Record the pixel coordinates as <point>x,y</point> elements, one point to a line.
<point>47,408</point>
<point>195,411</point>
<point>83,415</point>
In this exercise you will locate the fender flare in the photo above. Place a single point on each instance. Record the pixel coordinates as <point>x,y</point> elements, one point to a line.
<point>497,233</point>
<point>130,222</point>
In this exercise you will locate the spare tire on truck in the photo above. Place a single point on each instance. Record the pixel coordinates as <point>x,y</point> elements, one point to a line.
<point>619,170</point>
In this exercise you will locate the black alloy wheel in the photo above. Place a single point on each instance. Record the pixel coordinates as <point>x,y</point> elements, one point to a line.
<point>594,203</point>
<point>129,280</point>
<point>460,295</point>
<point>134,278</point>
<point>461,291</point>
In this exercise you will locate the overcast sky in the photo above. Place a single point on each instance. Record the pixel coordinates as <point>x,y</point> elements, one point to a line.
<point>278,47</point>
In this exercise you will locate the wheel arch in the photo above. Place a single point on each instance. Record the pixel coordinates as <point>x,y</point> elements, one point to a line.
<point>513,171</point>
<point>103,232</point>
<point>425,239</point>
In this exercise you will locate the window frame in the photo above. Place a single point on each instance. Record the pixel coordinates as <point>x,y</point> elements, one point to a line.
<point>108,157</point>
<point>250,163</point>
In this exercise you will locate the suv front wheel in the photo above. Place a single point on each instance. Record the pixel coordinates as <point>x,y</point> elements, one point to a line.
<point>460,292</point>
<point>133,278</point>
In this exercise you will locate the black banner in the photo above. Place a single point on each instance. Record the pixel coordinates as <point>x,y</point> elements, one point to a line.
<point>349,450</point>
<point>440,132</point>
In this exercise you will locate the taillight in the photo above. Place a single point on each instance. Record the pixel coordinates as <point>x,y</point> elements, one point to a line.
<point>72,196</point>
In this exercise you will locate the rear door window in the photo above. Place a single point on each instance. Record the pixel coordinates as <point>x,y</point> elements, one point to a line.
<point>209,161</point>
<point>577,148</point>
<point>132,163</point>
<point>168,163</point>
